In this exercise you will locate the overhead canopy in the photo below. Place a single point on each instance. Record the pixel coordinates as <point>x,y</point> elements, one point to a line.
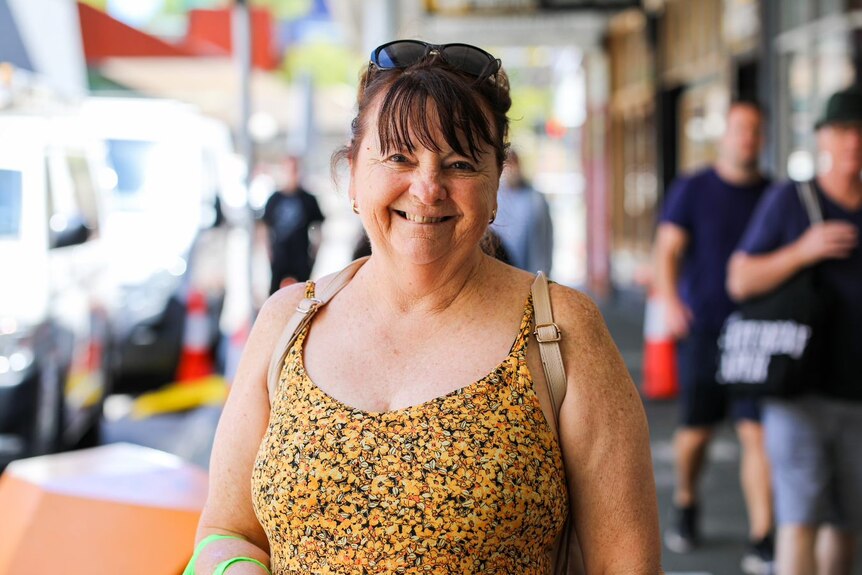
<point>211,85</point>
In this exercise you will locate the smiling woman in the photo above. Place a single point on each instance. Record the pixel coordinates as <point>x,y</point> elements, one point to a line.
<point>412,429</point>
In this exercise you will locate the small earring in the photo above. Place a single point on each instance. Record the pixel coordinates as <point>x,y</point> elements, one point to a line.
<point>353,206</point>
<point>493,216</point>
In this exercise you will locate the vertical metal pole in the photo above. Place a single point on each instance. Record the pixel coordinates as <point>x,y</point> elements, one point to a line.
<point>599,192</point>
<point>238,312</point>
<point>242,55</point>
<point>769,89</point>
<point>379,23</point>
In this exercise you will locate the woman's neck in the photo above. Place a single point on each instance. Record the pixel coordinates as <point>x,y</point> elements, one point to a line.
<point>419,289</point>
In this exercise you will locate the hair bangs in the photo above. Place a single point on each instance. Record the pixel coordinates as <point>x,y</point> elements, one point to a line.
<point>421,106</point>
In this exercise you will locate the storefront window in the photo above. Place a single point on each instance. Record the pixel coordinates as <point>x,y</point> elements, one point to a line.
<point>702,111</point>
<point>794,13</point>
<point>834,65</point>
<point>811,72</point>
<point>828,7</point>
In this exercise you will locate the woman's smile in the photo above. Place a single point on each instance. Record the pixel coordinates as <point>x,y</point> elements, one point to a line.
<point>419,219</point>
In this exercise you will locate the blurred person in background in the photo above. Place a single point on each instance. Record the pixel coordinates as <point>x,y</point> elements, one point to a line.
<point>523,221</point>
<point>701,224</point>
<point>412,430</point>
<point>292,217</point>
<point>815,441</point>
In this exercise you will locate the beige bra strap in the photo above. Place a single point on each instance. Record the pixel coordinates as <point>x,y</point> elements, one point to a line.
<point>305,310</point>
<point>548,335</point>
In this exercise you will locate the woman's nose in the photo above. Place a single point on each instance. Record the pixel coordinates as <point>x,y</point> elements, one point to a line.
<point>428,185</point>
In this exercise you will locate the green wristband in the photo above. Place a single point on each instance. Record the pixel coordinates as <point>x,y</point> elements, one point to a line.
<point>190,568</point>
<point>221,568</point>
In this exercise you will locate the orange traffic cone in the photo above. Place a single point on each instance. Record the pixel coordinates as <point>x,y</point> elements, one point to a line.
<point>195,359</point>
<point>196,383</point>
<point>660,380</point>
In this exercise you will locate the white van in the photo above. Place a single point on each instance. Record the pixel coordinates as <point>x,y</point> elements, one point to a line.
<point>162,200</point>
<point>54,290</point>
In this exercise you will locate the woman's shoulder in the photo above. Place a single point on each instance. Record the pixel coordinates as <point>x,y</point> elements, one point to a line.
<point>285,301</point>
<point>587,345</point>
<point>573,308</point>
<point>598,379</point>
<point>277,310</point>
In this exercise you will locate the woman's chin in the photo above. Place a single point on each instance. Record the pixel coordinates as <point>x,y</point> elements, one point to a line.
<point>417,251</point>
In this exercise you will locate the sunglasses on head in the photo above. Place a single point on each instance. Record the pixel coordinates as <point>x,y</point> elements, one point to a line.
<point>462,57</point>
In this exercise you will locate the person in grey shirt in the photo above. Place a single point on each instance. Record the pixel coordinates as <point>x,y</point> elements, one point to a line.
<point>523,221</point>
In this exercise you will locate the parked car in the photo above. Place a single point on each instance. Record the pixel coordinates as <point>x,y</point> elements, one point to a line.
<point>54,291</point>
<point>159,213</point>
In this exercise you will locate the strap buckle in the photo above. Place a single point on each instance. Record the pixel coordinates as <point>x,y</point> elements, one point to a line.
<point>308,305</point>
<point>557,336</point>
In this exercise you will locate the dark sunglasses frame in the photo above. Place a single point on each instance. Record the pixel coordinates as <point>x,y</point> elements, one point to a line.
<point>486,64</point>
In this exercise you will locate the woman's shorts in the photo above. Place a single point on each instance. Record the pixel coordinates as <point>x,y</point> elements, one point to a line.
<point>815,450</point>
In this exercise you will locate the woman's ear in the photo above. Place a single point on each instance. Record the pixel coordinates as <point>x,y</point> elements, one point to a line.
<point>351,192</point>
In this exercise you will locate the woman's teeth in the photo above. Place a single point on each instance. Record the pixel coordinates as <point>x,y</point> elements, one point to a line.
<point>421,219</point>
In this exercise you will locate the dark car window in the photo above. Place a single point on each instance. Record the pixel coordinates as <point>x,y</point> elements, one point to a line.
<point>10,203</point>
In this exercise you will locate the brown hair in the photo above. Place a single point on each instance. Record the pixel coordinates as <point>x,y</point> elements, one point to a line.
<point>431,96</point>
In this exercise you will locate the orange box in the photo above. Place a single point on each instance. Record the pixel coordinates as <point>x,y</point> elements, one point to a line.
<point>114,509</point>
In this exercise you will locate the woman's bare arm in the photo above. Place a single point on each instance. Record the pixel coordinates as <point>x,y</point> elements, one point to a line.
<point>243,422</point>
<point>605,440</point>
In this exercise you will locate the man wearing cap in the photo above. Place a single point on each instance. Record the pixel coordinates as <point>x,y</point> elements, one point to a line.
<point>814,441</point>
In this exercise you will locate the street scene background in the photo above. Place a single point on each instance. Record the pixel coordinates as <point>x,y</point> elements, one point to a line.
<point>140,141</point>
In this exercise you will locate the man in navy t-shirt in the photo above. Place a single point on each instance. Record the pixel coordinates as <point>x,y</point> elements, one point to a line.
<point>703,219</point>
<point>814,441</point>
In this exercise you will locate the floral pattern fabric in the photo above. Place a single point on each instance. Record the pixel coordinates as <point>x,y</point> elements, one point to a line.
<point>470,482</point>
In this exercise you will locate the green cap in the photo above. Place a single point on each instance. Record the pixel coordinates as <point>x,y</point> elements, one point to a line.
<point>843,106</point>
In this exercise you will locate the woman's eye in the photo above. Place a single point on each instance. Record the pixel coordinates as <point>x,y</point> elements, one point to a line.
<point>463,166</point>
<point>398,158</point>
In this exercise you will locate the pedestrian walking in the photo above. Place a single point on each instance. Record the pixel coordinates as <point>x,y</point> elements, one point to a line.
<point>701,224</point>
<point>523,221</point>
<point>292,217</point>
<point>814,440</point>
<point>411,429</point>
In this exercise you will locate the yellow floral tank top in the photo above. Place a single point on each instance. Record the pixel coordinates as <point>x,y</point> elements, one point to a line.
<point>470,482</point>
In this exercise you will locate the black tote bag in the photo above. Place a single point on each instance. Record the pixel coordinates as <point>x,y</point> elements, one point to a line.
<point>772,345</point>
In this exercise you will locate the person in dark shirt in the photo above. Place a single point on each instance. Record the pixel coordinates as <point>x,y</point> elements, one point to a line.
<point>814,440</point>
<point>703,219</point>
<point>290,215</point>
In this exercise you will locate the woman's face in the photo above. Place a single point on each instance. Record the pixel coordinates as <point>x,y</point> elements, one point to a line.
<point>424,206</point>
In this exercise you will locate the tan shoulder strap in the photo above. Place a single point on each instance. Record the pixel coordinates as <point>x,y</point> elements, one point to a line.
<point>568,559</point>
<point>548,335</point>
<point>305,310</point>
